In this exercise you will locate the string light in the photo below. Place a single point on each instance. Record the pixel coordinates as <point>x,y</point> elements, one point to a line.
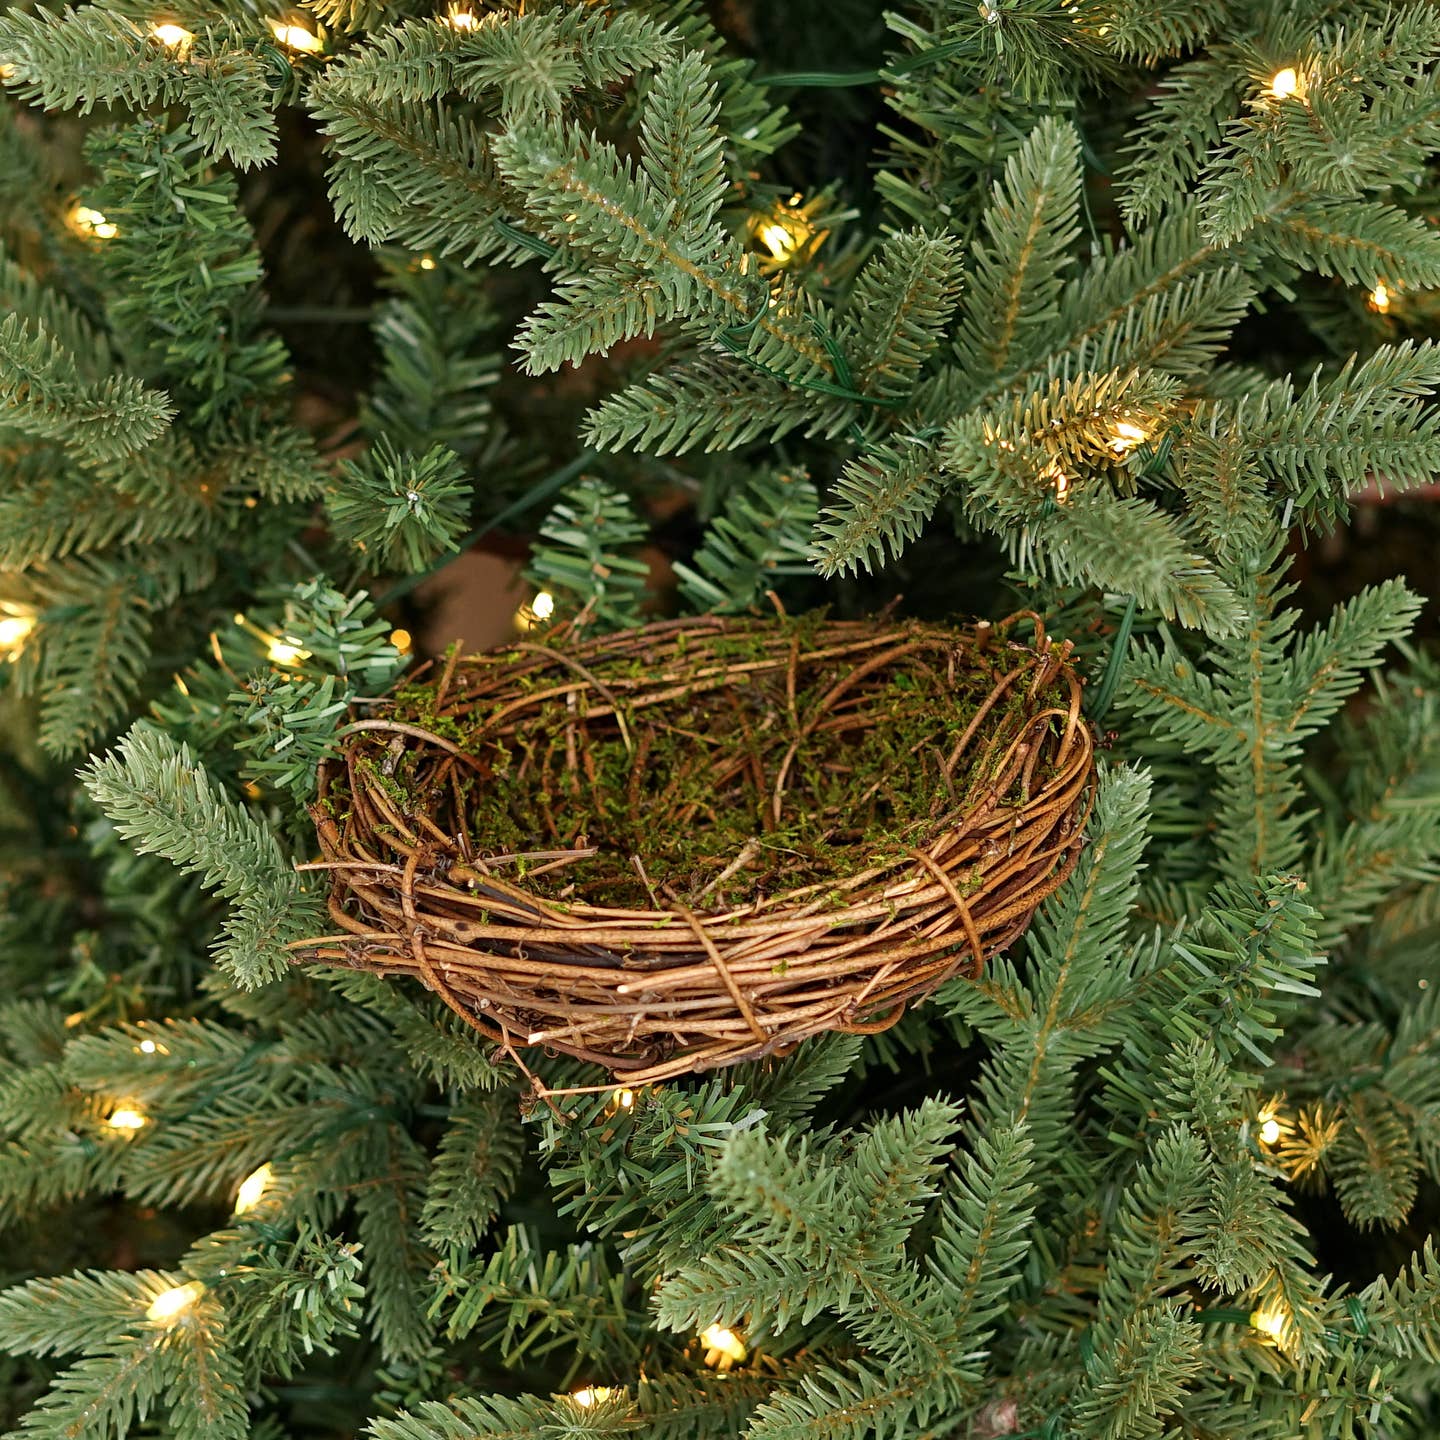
<point>723,1348</point>
<point>1380,297</point>
<point>1285,84</point>
<point>536,612</point>
<point>169,1305</point>
<point>174,37</point>
<point>126,1118</point>
<point>92,222</point>
<point>15,630</point>
<point>427,262</point>
<point>1270,1321</point>
<point>402,640</point>
<point>1054,476</point>
<point>460,18</point>
<point>297,37</point>
<point>781,235</point>
<point>592,1395</point>
<point>1126,437</point>
<point>7,71</point>
<point>1270,1129</point>
<point>286,652</point>
<point>252,1189</point>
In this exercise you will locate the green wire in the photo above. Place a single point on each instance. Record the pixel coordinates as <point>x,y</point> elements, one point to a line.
<point>1114,664</point>
<point>843,80</point>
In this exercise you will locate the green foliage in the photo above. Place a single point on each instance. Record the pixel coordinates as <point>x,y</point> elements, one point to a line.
<point>159,798</point>
<point>437,367</point>
<point>43,393</point>
<point>183,274</point>
<point>400,510</point>
<point>761,535</point>
<point>1103,303</point>
<point>580,556</point>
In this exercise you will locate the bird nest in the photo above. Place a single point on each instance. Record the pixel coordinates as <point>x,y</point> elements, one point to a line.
<point>699,842</point>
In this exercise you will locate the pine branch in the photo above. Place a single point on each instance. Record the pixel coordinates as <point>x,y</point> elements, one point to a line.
<point>899,311</point>
<point>580,555</point>
<point>880,504</point>
<point>761,537</point>
<point>1017,272</point>
<point>401,510</point>
<point>711,400</point>
<point>42,394</point>
<point>476,1166</point>
<point>159,798</point>
<point>1139,1380</point>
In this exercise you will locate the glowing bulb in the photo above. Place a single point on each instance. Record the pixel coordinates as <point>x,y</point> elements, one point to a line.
<point>252,1189</point>
<point>126,1118</point>
<point>460,19</point>
<point>1053,475</point>
<point>1380,297</point>
<point>1269,1322</point>
<point>1269,1131</point>
<point>777,239</point>
<point>1284,84</point>
<point>402,640</point>
<point>625,1099</point>
<point>14,631</point>
<point>147,1047</point>
<point>536,612</point>
<point>286,652</point>
<point>723,1348</point>
<point>1126,438</point>
<point>172,1303</point>
<point>7,71</point>
<point>297,37</point>
<point>592,1395</point>
<point>174,36</point>
<point>427,262</point>
<point>92,222</point>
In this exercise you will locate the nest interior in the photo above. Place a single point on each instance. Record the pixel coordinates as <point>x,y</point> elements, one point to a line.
<point>701,841</point>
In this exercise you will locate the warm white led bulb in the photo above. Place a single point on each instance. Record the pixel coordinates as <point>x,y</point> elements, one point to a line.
<point>170,1304</point>
<point>723,1348</point>
<point>297,37</point>
<point>286,652</point>
<point>14,631</point>
<point>1126,437</point>
<point>126,1118</point>
<point>93,222</point>
<point>252,1189</point>
<point>591,1395</point>
<point>176,37</point>
<point>1285,84</point>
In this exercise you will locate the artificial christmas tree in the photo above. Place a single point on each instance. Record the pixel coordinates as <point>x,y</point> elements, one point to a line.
<point>1090,308</point>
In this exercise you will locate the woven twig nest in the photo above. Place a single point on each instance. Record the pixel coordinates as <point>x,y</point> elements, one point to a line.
<point>699,842</point>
